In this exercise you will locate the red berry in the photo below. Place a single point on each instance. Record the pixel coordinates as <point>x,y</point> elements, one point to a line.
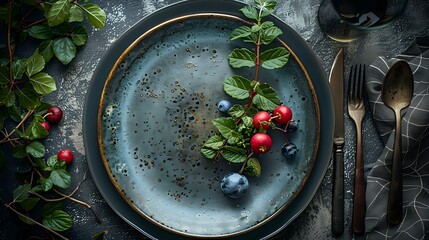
<point>54,114</point>
<point>46,126</point>
<point>282,114</point>
<point>65,155</point>
<point>262,119</point>
<point>261,143</point>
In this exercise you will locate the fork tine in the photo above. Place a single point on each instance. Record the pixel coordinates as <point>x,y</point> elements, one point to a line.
<point>361,79</point>
<point>351,88</point>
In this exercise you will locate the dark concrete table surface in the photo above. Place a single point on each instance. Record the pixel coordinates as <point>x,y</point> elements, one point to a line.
<point>73,81</point>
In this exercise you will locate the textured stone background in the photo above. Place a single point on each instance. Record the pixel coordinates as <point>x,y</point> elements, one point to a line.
<point>301,15</point>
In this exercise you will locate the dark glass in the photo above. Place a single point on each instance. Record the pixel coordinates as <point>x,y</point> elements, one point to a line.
<point>345,20</point>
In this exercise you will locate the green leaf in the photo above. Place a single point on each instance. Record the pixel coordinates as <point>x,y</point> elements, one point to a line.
<point>250,12</point>
<point>58,221</point>
<point>59,12</point>
<point>7,97</point>
<point>76,14</point>
<point>29,203</point>
<point>46,184</point>
<point>4,75</point>
<point>237,87</point>
<point>266,98</point>
<point>50,208</point>
<point>236,111</point>
<point>240,32</point>
<point>14,113</point>
<point>269,34</point>
<point>253,168</point>
<point>228,129</point>
<point>36,149</point>
<point>242,57</point>
<point>95,15</point>
<point>41,31</point>
<point>247,121</point>
<point>234,154</point>
<point>215,142</point>
<point>60,178</point>
<point>100,236</point>
<point>274,58</point>
<point>79,35</point>
<point>267,6</point>
<point>42,83</point>
<point>21,192</point>
<point>52,161</point>
<point>35,63</point>
<point>64,50</point>
<point>46,49</point>
<point>19,151</point>
<point>35,130</point>
<point>28,98</point>
<point>19,66</point>
<point>208,152</point>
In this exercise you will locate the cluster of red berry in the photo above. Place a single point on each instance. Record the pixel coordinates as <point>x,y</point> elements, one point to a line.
<point>53,116</point>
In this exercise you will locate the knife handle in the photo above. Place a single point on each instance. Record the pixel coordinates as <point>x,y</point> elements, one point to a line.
<point>338,192</point>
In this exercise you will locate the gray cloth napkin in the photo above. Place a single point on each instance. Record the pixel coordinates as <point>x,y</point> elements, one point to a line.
<point>415,150</point>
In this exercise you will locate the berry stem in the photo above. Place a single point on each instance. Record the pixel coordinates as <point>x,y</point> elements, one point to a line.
<point>245,162</point>
<point>6,138</point>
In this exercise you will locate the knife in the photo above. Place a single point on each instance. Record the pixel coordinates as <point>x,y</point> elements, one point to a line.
<point>336,81</point>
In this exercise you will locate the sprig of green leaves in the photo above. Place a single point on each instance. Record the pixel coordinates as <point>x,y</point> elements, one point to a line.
<point>234,132</point>
<point>57,28</point>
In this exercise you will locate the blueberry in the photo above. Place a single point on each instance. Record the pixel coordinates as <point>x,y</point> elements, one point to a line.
<point>224,106</point>
<point>289,150</point>
<point>292,126</point>
<point>234,185</point>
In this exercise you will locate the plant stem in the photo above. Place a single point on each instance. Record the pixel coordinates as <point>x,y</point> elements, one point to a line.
<point>34,221</point>
<point>245,162</point>
<point>29,113</point>
<point>9,29</point>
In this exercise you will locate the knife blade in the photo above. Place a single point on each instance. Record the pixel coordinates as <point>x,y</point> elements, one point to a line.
<point>336,81</point>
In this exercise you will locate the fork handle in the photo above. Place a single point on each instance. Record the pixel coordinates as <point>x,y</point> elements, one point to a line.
<point>359,208</point>
<point>338,192</point>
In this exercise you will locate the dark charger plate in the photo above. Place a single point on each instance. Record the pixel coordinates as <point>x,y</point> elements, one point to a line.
<point>152,98</point>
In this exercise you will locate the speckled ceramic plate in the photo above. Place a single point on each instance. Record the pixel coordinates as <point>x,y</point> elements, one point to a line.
<point>155,110</point>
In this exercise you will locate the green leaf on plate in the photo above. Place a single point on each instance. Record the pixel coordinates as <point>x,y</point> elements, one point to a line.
<point>266,98</point>
<point>215,142</point>
<point>236,111</point>
<point>208,152</point>
<point>269,34</point>
<point>46,184</point>
<point>240,32</point>
<point>253,168</point>
<point>274,58</point>
<point>227,127</point>
<point>234,154</point>
<point>241,57</point>
<point>64,50</point>
<point>237,87</point>
<point>250,12</point>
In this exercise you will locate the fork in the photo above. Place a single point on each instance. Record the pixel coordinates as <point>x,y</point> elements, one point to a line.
<point>356,110</point>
